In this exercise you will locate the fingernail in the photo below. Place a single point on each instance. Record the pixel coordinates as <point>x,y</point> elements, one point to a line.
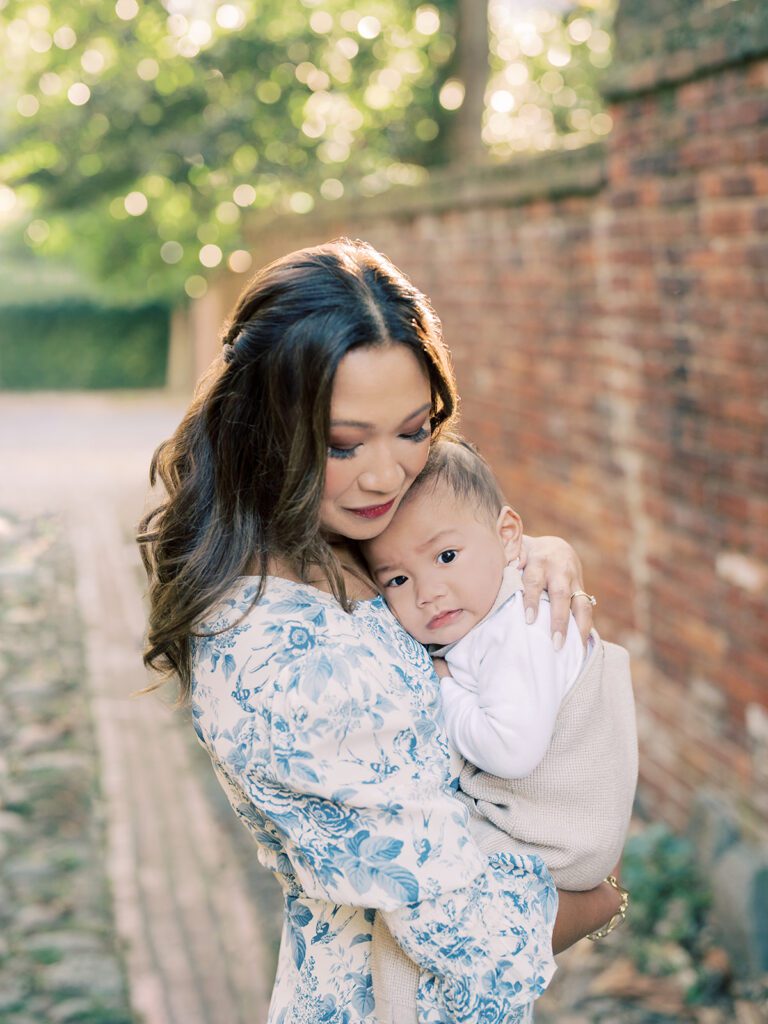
<point>529,615</point>
<point>557,640</point>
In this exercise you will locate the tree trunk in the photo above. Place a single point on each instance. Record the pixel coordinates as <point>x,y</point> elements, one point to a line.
<point>466,145</point>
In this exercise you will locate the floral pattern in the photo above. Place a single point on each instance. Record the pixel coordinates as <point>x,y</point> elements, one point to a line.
<point>324,729</point>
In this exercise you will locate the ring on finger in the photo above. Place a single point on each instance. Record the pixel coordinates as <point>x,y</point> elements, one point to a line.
<point>582,593</point>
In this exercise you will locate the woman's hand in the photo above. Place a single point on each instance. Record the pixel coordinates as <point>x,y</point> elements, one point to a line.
<point>551,564</point>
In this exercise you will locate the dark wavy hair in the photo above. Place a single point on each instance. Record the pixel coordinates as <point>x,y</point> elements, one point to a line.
<point>244,471</point>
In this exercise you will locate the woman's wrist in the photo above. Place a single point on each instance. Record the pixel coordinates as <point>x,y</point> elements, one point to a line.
<point>580,913</point>
<point>619,915</point>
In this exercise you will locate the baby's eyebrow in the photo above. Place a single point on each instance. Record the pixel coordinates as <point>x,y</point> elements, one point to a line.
<point>432,539</point>
<point>380,568</point>
<point>377,569</point>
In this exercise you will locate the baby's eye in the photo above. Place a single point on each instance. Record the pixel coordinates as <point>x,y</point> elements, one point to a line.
<point>396,581</point>
<point>445,557</point>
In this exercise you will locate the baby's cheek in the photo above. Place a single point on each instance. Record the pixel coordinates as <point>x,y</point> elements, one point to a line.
<point>403,611</point>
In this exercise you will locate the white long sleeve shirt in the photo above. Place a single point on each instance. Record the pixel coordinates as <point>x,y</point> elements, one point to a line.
<point>507,684</point>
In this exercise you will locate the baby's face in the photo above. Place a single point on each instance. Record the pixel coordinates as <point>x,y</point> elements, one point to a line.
<point>440,564</point>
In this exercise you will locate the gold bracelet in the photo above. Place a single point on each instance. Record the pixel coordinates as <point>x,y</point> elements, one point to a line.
<point>620,914</point>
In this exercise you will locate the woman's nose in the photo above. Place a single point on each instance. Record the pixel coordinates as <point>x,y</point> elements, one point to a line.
<point>383,475</point>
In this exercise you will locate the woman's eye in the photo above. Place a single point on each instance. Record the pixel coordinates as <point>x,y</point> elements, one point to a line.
<point>396,581</point>
<point>418,435</point>
<point>341,453</point>
<point>445,557</point>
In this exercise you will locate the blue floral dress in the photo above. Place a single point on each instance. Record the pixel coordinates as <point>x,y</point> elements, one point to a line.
<point>325,731</point>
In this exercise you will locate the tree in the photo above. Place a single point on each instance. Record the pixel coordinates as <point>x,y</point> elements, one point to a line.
<point>135,139</point>
<point>140,137</point>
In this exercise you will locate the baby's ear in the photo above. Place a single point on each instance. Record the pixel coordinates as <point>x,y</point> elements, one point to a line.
<point>509,526</point>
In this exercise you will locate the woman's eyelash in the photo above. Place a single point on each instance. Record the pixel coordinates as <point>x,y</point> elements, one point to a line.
<point>418,435</point>
<point>347,453</point>
<point>341,453</point>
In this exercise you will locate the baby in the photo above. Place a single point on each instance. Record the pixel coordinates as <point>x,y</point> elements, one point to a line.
<point>543,740</point>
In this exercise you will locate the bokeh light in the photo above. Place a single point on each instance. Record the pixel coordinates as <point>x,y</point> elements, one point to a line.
<point>27,105</point>
<point>301,202</point>
<point>171,252</point>
<point>8,201</point>
<point>240,261</point>
<point>452,94</point>
<point>211,256</point>
<point>78,94</point>
<point>244,195</point>
<point>38,231</point>
<point>65,37</point>
<point>126,10</point>
<point>196,286</point>
<point>148,69</point>
<point>332,188</point>
<point>136,203</point>
<point>427,20</point>
<point>93,61</point>
<point>230,17</point>
<point>369,27</point>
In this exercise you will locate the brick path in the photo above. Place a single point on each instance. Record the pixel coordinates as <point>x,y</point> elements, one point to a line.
<point>198,934</point>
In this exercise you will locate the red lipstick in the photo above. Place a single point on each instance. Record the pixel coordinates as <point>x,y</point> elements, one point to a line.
<point>373,511</point>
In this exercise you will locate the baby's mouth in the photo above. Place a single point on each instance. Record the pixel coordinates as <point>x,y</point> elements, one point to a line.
<point>444,618</point>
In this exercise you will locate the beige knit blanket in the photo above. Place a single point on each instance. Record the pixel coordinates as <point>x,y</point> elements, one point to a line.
<point>573,810</point>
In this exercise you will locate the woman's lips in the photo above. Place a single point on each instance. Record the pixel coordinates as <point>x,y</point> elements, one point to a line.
<point>373,511</point>
<point>444,618</point>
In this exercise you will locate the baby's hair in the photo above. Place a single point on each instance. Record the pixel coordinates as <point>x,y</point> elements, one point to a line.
<point>460,466</point>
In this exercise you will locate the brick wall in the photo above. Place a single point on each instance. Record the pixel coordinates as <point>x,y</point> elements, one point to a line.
<point>608,319</point>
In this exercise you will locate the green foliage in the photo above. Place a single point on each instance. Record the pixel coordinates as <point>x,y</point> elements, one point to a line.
<point>78,344</point>
<point>135,137</point>
<point>135,125</point>
<point>669,929</point>
<point>669,900</point>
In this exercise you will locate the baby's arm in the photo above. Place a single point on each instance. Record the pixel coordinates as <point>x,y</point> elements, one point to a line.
<point>505,688</point>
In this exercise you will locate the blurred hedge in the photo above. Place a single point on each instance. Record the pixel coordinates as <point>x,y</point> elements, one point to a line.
<point>76,344</point>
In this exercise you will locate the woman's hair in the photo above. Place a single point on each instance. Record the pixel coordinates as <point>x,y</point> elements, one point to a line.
<point>245,470</point>
<point>458,465</point>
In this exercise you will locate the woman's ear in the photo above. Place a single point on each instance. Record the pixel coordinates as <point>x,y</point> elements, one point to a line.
<point>509,527</point>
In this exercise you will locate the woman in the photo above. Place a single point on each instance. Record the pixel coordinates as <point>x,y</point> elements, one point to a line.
<point>320,714</point>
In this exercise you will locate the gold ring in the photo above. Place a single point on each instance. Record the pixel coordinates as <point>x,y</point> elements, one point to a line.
<point>582,593</point>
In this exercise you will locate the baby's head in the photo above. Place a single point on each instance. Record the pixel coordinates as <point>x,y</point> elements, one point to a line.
<point>441,560</point>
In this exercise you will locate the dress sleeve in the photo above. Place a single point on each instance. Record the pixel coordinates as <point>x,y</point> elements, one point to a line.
<point>503,697</point>
<point>358,792</point>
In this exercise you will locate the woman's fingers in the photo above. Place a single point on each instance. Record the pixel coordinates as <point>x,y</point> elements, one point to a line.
<point>534,585</point>
<point>560,610</point>
<point>582,613</point>
<point>551,564</point>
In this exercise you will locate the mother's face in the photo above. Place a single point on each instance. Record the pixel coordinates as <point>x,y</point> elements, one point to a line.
<point>379,439</point>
